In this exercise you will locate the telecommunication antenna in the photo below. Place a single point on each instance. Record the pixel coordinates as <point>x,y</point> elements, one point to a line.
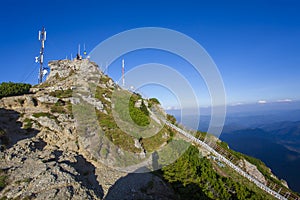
<point>123,73</point>
<point>84,50</point>
<point>40,59</point>
<point>79,57</point>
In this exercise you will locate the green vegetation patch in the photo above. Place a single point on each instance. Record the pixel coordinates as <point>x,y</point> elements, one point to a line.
<point>171,119</point>
<point>152,143</point>
<point>61,107</point>
<point>115,134</point>
<point>104,79</point>
<point>200,135</point>
<point>62,93</point>
<point>153,101</point>
<point>101,92</point>
<point>3,179</point>
<point>125,104</point>
<point>27,123</point>
<point>42,114</point>
<point>193,177</point>
<point>25,180</point>
<point>13,89</point>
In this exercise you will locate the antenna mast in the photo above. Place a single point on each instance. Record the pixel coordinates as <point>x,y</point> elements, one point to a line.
<point>79,57</point>
<point>42,38</point>
<point>84,50</point>
<point>123,73</point>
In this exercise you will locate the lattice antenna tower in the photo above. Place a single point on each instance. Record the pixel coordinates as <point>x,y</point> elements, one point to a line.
<point>42,38</point>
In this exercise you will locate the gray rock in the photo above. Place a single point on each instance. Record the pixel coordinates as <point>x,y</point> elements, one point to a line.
<point>50,123</point>
<point>47,99</point>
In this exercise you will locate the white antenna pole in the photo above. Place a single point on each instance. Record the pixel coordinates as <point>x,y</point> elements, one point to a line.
<point>42,38</point>
<point>123,73</point>
<point>84,50</point>
<point>79,57</point>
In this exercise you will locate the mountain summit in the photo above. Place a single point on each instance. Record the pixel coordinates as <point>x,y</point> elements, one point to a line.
<point>79,135</point>
<point>46,155</point>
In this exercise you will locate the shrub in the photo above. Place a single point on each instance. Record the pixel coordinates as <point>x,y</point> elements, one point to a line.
<point>171,119</point>
<point>13,89</point>
<point>193,177</point>
<point>140,115</point>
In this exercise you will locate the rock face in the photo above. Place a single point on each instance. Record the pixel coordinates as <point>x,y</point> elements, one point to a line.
<point>252,170</point>
<point>42,154</point>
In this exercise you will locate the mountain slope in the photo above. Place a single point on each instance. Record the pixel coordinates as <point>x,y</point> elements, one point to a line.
<point>276,144</point>
<point>78,134</point>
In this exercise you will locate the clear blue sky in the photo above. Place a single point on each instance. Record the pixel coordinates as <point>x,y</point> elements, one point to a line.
<point>255,44</point>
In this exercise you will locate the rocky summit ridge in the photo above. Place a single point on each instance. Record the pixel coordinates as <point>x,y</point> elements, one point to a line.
<point>42,156</point>
<point>46,155</point>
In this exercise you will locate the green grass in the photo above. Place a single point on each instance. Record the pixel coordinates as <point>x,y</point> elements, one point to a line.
<point>125,108</point>
<point>43,114</point>
<point>62,93</point>
<point>152,143</point>
<point>61,107</point>
<point>153,101</point>
<point>171,119</point>
<point>115,134</point>
<point>27,123</point>
<point>58,109</point>
<point>3,179</point>
<point>100,92</point>
<point>104,79</point>
<point>84,114</point>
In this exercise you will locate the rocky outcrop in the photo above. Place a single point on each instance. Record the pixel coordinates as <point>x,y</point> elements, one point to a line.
<point>43,156</point>
<point>252,170</point>
<point>47,99</point>
<point>48,174</point>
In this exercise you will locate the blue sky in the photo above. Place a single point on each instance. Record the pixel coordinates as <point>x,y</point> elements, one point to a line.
<point>255,44</point>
